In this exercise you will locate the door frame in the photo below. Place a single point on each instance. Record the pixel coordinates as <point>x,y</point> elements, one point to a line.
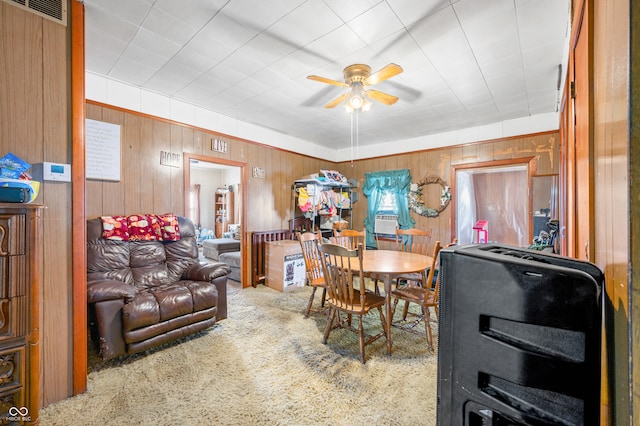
<point>529,162</point>
<point>187,157</point>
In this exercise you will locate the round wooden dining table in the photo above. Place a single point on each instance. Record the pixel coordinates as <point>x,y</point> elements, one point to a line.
<point>386,265</point>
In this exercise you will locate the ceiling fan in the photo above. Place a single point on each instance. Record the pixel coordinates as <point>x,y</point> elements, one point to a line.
<point>358,77</point>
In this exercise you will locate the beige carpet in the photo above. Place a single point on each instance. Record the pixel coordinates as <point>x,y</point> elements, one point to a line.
<point>264,365</point>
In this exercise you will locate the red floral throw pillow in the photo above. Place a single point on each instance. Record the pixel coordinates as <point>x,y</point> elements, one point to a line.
<point>115,228</point>
<point>169,229</point>
<point>144,227</point>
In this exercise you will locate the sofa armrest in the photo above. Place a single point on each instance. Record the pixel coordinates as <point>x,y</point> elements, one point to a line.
<point>109,322</point>
<point>207,271</point>
<point>99,291</point>
<point>221,286</point>
<point>216,273</point>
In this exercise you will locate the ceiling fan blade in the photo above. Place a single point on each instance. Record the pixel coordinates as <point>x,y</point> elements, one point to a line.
<point>382,97</point>
<point>383,74</point>
<point>327,80</point>
<point>337,101</point>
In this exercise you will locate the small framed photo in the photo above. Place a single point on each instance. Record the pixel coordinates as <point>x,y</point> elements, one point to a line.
<point>258,172</point>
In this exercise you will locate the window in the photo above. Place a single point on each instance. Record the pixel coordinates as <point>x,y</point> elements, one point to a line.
<point>386,192</point>
<point>388,203</point>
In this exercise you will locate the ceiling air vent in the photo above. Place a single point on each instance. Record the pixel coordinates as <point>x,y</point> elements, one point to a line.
<point>55,10</point>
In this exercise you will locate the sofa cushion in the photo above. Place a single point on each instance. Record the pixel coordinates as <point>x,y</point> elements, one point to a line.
<point>234,260</point>
<point>109,259</point>
<point>162,303</point>
<point>231,258</point>
<point>205,294</point>
<point>173,300</point>
<point>143,310</point>
<point>213,248</point>
<point>148,263</point>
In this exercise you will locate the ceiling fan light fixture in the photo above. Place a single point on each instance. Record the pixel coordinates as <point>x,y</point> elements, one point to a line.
<point>356,98</point>
<point>356,101</point>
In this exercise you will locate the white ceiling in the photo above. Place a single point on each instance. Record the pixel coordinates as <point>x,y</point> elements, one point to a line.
<point>466,63</point>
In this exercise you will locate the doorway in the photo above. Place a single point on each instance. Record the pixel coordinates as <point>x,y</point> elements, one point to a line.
<point>496,195</point>
<point>205,179</point>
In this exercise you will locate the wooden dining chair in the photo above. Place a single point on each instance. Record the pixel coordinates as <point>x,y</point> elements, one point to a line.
<point>424,296</point>
<point>349,238</point>
<point>413,240</point>
<point>342,265</point>
<point>298,225</point>
<point>310,244</point>
<point>437,271</point>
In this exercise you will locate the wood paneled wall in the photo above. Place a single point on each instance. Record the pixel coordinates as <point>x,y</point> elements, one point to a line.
<point>34,125</point>
<point>543,146</point>
<point>613,198</point>
<point>146,186</point>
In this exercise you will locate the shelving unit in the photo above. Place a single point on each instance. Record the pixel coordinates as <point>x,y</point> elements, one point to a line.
<point>223,211</point>
<point>330,201</point>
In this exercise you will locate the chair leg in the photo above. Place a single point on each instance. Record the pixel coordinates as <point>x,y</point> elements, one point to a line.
<point>405,310</point>
<point>393,309</point>
<point>327,329</point>
<point>361,338</point>
<point>376,287</point>
<point>385,327</point>
<point>427,325</point>
<point>313,292</point>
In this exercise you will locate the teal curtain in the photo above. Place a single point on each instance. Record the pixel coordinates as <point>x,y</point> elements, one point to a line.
<point>375,184</point>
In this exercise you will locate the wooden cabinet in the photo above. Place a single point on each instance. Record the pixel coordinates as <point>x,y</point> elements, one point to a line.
<point>20,280</point>
<point>223,211</point>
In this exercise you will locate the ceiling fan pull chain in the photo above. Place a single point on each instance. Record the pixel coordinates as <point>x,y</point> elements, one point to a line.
<point>357,132</point>
<point>351,134</point>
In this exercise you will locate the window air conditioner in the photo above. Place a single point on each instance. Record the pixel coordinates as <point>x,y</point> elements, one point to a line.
<point>386,224</point>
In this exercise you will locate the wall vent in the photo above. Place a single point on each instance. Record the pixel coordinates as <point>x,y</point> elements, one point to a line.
<point>55,10</point>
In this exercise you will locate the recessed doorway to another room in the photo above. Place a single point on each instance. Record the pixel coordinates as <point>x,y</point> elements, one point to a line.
<point>213,201</point>
<point>498,194</point>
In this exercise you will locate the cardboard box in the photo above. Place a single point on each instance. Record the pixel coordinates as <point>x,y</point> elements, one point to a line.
<point>284,265</point>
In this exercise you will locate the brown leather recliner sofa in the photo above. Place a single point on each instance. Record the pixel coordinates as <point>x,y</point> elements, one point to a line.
<point>143,294</point>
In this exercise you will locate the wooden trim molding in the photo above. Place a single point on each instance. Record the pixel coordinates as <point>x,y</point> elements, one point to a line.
<point>78,242</point>
<point>244,248</point>
<point>462,145</point>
